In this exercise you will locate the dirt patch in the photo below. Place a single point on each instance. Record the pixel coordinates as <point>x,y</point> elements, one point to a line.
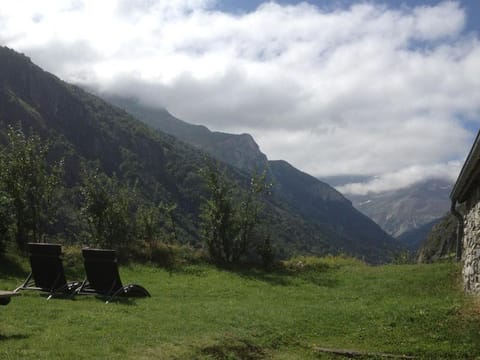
<point>234,349</point>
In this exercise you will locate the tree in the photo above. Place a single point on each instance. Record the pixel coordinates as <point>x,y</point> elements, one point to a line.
<point>217,216</point>
<point>248,212</point>
<point>109,211</point>
<point>148,225</point>
<point>6,219</point>
<point>30,186</point>
<point>156,222</point>
<point>228,219</point>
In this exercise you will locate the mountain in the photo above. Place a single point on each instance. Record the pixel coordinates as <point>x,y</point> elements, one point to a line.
<point>413,238</point>
<point>440,242</point>
<point>321,204</point>
<point>240,151</point>
<point>410,213</point>
<point>85,128</point>
<point>329,214</point>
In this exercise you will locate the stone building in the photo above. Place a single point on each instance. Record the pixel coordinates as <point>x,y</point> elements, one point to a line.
<point>467,191</point>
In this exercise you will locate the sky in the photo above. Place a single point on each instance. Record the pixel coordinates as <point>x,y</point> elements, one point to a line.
<point>384,89</point>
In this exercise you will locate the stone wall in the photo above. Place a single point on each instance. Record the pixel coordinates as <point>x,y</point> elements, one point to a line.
<point>471,243</point>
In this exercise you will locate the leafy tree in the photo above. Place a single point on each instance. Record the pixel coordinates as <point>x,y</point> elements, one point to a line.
<point>148,225</point>
<point>109,211</point>
<point>228,221</point>
<point>30,187</point>
<point>248,212</point>
<point>217,216</point>
<point>157,229</point>
<point>6,219</point>
<point>156,222</point>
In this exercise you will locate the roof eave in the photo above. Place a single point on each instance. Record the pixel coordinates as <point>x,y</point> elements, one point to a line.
<point>465,178</point>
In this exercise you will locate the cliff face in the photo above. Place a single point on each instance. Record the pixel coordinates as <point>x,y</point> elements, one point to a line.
<point>240,151</point>
<point>440,242</point>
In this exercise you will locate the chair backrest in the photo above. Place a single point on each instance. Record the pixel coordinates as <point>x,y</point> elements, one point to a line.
<point>101,269</point>
<point>47,267</point>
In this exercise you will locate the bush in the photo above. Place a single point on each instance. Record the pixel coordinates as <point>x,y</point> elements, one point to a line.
<point>109,211</point>
<point>73,261</point>
<point>165,255</point>
<point>314,263</point>
<point>230,217</point>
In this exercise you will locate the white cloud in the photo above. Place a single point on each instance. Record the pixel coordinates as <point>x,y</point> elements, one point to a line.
<point>403,178</point>
<point>363,90</point>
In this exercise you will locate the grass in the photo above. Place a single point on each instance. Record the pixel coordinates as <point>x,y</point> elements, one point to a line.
<point>199,312</point>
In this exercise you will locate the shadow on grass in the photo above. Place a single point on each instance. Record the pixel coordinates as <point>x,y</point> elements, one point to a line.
<point>130,301</point>
<point>56,296</point>
<point>234,349</point>
<point>13,337</point>
<point>106,299</point>
<point>9,267</point>
<point>123,301</point>
<point>194,270</point>
<point>277,278</point>
<point>283,276</point>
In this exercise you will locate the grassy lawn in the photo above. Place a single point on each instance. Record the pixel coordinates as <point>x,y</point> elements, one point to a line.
<point>199,312</point>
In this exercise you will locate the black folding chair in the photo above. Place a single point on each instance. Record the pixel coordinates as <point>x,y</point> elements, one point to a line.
<point>103,278</point>
<point>47,274</point>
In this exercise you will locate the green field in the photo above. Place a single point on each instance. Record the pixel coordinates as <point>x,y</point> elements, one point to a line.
<point>200,312</point>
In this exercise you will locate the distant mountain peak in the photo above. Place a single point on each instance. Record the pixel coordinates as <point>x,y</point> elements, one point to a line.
<point>407,213</point>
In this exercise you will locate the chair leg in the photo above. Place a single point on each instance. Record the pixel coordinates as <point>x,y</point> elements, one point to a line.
<point>115,294</point>
<point>25,283</point>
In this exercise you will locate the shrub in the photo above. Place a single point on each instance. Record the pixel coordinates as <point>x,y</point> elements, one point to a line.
<point>230,217</point>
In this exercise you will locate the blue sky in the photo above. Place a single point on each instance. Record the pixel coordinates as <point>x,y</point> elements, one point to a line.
<point>472,7</point>
<point>384,89</point>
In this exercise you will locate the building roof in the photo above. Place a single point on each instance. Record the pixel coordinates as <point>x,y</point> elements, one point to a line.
<point>469,175</point>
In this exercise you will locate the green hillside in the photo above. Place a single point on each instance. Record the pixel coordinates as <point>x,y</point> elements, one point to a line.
<point>329,210</point>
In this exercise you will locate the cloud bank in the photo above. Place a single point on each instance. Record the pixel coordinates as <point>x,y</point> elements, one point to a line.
<point>403,178</point>
<point>367,89</point>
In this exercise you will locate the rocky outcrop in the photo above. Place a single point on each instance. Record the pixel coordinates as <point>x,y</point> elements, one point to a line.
<point>441,242</point>
<point>238,150</point>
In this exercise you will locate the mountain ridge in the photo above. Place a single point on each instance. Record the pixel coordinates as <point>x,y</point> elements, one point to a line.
<point>239,150</point>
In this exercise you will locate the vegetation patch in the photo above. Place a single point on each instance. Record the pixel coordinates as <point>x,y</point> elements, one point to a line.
<point>230,349</point>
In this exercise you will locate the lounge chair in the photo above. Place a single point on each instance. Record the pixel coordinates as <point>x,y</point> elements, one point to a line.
<point>47,273</point>
<point>103,278</point>
<point>5,296</point>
